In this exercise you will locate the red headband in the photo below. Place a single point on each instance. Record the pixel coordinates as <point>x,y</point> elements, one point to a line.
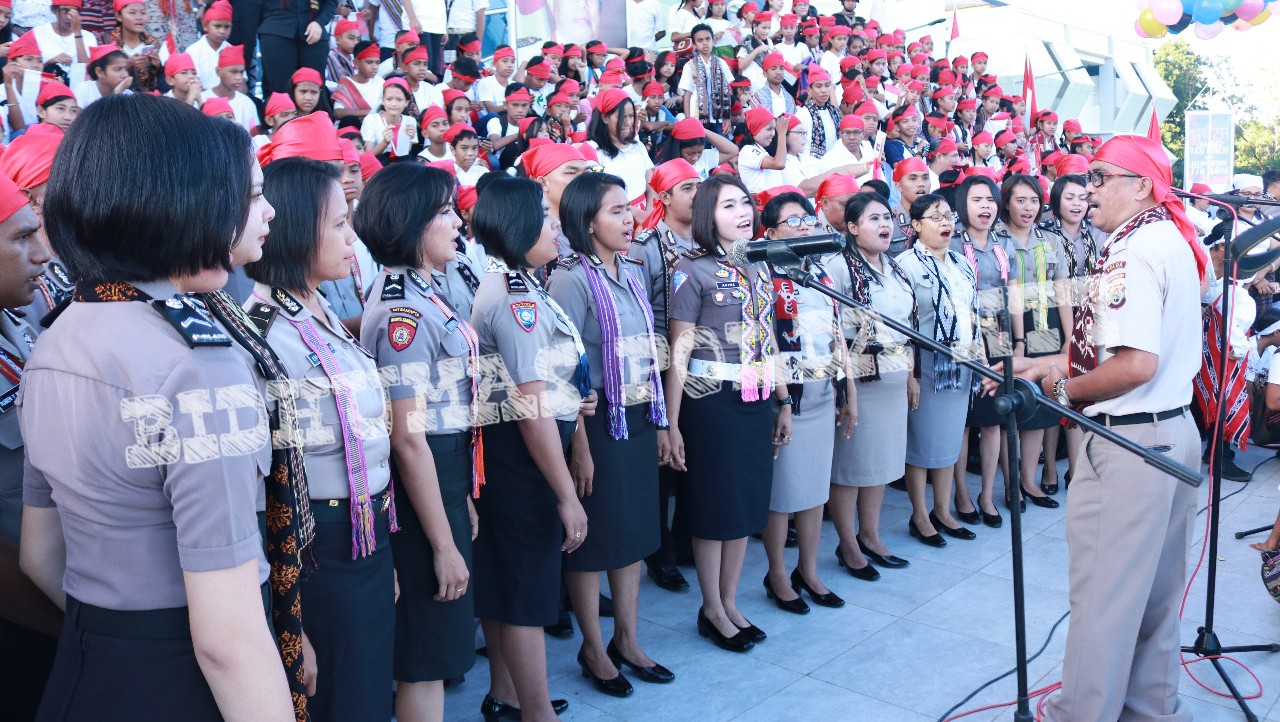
<point>664,178</point>
<point>278,103</point>
<point>176,63</point>
<point>908,165</point>
<point>1071,126</point>
<point>214,106</point>
<point>342,26</point>
<point>29,157</point>
<point>758,118</point>
<point>471,47</point>
<point>539,70</point>
<point>501,53</point>
<point>836,184</point>
<point>230,56</point>
<point>1006,137</point>
<point>519,95</point>
<point>24,44</point>
<point>574,52</point>
<point>349,152</point>
<point>306,75</point>
<point>609,99</point>
<point>455,130</point>
<point>369,164</point>
<point>52,90</point>
<point>542,160</point>
<point>432,113</point>
<point>419,52</point>
<point>852,122</point>
<point>219,10</point>
<point>11,199</point>
<point>688,129</point>
<point>311,136</point>
<point>467,196</point>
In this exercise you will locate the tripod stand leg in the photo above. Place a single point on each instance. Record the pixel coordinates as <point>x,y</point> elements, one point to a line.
<point>1252,648</point>
<point>1244,706</point>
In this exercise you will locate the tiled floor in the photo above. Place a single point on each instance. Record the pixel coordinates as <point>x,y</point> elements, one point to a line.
<point>916,642</point>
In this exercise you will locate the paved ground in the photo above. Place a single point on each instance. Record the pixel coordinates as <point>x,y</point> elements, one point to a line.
<point>916,642</point>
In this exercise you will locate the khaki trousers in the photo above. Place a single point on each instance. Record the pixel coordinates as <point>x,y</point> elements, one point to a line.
<point>1128,533</point>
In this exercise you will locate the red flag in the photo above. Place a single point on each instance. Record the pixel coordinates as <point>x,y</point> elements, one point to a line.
<point>1029,89</point>
<point>1153,132</point>
<point>955,24</point>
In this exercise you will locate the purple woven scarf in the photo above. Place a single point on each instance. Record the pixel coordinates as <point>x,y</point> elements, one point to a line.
<point>610,336</point>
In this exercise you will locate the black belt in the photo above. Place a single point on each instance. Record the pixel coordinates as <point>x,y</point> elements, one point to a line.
<point>145,625</point>
<point>1130,419</point>
<point>334,510</point>
<point>449,443</point>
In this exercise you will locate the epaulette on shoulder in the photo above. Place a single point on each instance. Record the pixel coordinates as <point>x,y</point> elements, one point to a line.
<point>191,321</point>
<point>516,283</point>
<point>695,253</point>
<point>631,259</point>
<point>569,261</point>
<point>263,315</point>
<point>645,237</point>
<point>393,287</point>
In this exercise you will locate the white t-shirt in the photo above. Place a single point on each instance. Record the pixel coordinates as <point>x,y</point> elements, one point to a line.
<point>718,25</point>
<point>429,158</point>
<point>86,92</point>
<point>795,53</point>
<point>630,165</point>
<point>470,176</point>
<point>830,62</point>
<point>1257,362</point>
<point>644,20</point>
<point>462,14</point>
<point>689,80</point>
<point>490,90</point>
<point>371,91</point>
<point>52,44</point>
<point>828,125</point>
<point>494,127</point>
<point>1149,298</point>
<point>374,125</point>
<point>757,178</point>
<point>430,14</point>
<point>245,111</point>
<point>205,57</point>
<point>428,95</point>
<point>839,155</point>
<point>800,168</point>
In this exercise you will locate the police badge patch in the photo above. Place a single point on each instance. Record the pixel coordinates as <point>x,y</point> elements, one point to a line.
<point>400,331</point>
<point>526,313</point>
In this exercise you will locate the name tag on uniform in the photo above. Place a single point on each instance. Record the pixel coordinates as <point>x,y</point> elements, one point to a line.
<point>8,400</point>
<point>451,325</point>
<point>726,284</point>
<point>314,359</point>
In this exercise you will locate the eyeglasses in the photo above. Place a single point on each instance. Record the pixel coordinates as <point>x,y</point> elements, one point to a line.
<point>797,221</point>
<point>937,217</point>
<point>1097,177</point>
<point>1250,194</point>
<point>595,169</point>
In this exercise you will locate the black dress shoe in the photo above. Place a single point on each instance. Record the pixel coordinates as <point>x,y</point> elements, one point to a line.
<point>866,573</point>
<point>830,599</point>
<point>1231,472</point>
<point>657,674</point>
<point>992,520</point>
<point>1049,489</point>
<point>795,606</point>
<point>934,540</point>
<point>958,532</point>
<point>900,484</point>
<point>669,578</point>
<point>754,633</point>
<point>969,517</point>
<point>492,709</point>
<point>618,686</point>
<point>606,606</point>
<point>889,562</point>
<point>1043,501</point>
<point>1022,502</point>
<point>737,643</point>
<point>563,628</point>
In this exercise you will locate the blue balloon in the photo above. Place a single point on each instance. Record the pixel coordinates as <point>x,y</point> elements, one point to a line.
<point>1188,6</point>
<point>1207,12</point>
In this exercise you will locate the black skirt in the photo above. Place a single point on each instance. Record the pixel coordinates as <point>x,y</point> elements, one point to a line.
<point>729,455</point>
<point>100,675</point>
<point>1044,417</point>
<point>434,640</point>
<point>517,552</point>
<point>349,614</point>
<point>622,509</point>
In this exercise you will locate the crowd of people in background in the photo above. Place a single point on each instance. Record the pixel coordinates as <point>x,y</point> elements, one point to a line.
<point>432,331</point>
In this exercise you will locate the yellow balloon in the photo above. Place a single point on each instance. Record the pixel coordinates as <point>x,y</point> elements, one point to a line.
<point>1261,17</point>
<point>1150,25</point>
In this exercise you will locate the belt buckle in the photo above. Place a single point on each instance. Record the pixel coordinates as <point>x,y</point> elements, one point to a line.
<point>334,502</point>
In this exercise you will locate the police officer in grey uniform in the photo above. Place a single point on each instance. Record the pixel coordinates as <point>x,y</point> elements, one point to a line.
<point>911,176</point>
<point>29,622</point>
<point>145,448</point>
<point>458,280</point>
<point>660,248</point>
<point>1131,366</point>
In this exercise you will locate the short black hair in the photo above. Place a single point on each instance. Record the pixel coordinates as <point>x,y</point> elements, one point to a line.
<point>704,210</point>
<point>397,205</point>
<point>579,205</point>
<point>119,208</point>
<point>877,186</point>
<point>598,130</point>
<point>769,217</point>
<point>671,148</point>
<point>235,135</point>
<point>101,63</point>
<point>1269,177</point>
<point>462,65</point>
<point>361,46</point>
<point>921,205</point>
<point>466,39</point>
<point>856,207</point>
<point>298,189</point>
<point>1060,186</point>
<point>464,135</point>
<point>962,195</point>
<point>1009,184</point>
<point>513,87</point>
<point>507,219</point>
<point>487,179</point>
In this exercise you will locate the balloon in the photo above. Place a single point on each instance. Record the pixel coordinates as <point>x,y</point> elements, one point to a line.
<point>1152,27</point>
<point>1181,25</point>
<point>1137,28</point>
<point>1229,6</point>
<point>1241,25</point>
<point>1143,5</point>
<point>1207,12</point>
<point>1262,17</point>
<point>1250,9</point>
<point>1209,32</point>
<point>1228,19</point>
<point>1167,12</point>
<point>1187,6</point>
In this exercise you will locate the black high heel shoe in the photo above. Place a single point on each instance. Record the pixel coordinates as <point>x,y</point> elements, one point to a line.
<point>958,532</point>
<point>754,633</point>
<point>795,606</point>
<point>830,599</point>
<point>866,573</point>
<point>889,562</point>
<point>1022,501</point>
<point>1046,502</point>
<point>657,674</point>
<point>737,643</point>
<point>934,540</point>
<point>493,710</point>
<point>992,520</point>
<point>618,686</point>
<point>969,517</point>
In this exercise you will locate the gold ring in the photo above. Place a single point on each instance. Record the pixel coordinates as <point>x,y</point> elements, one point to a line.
<point>577,535</point>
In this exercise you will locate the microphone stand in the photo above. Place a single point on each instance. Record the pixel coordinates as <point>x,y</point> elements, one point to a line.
<point>1018,400</point>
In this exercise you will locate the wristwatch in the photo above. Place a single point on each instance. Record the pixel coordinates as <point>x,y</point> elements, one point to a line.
<point>1060,392</point>
<point>786,401</point>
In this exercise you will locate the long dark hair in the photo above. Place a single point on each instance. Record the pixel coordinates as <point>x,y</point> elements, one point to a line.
<point>598,130</point>
<point>704,210</point>
<point>299,189</point>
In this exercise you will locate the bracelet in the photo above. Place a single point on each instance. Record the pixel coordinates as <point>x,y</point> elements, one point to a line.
<point>77,37</point>
<point>1019,340</point>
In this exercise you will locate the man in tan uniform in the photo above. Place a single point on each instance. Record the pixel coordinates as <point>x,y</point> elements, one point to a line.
<point>1130,367</point>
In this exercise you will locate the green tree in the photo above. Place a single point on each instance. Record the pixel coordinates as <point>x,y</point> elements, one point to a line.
<point>1257,146</point>
<point>1184,71</point>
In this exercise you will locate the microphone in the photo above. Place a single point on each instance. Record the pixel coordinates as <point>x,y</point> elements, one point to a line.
<point>779,250</point>
<point>1230,199</point>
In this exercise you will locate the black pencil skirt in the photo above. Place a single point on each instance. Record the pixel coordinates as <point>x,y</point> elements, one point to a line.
<point>434,640</point>
<point>729,455</point>
<point>517,552</point>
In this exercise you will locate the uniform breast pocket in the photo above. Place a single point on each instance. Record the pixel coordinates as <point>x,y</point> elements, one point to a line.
<point>454,345</point>
<point>728,295</point>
